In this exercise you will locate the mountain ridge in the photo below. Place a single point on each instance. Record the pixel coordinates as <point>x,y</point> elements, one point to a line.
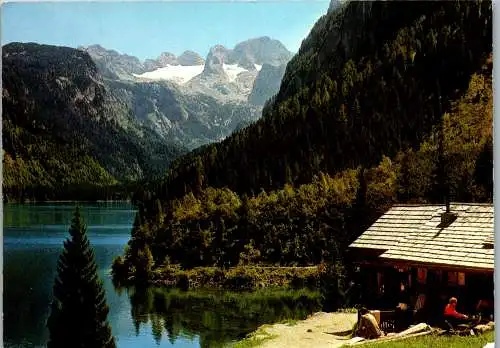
<point>221,86</point>
<point>63,127</point>
<point>252,51</point>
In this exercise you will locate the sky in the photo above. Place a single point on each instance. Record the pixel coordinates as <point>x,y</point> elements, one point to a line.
<point>146,29</point>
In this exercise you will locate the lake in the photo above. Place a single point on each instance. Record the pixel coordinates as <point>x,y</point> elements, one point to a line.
<point>33,237</point>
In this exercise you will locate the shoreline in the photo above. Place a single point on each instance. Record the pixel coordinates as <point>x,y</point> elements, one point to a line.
<point>319,330</point>
<point>247,277</point>
<point>70,201</point>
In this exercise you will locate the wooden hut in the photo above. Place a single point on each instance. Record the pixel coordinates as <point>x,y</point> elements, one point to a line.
<point>437,251</point>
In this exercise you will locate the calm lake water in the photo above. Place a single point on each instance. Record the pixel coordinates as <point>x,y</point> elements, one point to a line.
<point>33,239</point>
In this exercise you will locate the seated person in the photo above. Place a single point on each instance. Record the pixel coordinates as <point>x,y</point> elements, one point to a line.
<point>367,326</point>
<point>451,314</point>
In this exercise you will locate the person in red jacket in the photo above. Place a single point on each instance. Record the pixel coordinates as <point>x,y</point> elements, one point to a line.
<point>451,314</point>
<point>451,310</point>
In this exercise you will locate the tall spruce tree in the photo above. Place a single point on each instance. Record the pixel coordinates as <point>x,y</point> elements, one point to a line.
<point>79,311</point>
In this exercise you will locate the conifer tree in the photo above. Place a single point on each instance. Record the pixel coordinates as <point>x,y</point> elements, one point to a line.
<point>138,255</point>
<point>79,311</point>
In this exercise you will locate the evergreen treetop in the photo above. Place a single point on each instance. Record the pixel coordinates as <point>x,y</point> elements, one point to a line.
<point>79,311</point>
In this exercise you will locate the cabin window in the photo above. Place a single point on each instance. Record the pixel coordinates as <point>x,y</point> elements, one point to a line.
<point>461,278</point>
<point>452,278</point>
<point>422,275</point>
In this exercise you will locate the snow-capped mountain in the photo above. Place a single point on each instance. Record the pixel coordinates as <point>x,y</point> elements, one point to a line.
<point>230,74</point>
<point>181,74</point>
<point>211,96</point>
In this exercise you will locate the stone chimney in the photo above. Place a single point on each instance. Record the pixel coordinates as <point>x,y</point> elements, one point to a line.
<point>447,217</point>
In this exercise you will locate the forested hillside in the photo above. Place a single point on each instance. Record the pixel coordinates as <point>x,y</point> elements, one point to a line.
<point>386,102</point>
<point>372,78</point>
<point>64,134</point>
<point>312,223</point>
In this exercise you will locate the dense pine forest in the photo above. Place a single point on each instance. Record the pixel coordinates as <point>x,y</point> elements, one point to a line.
<point>371,79</point>
<point>385,102</point>
<point>308,224</point>
<point>64,135</point>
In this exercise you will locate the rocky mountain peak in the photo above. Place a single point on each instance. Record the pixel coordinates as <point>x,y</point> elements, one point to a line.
<point>190,58</point>
<point>167,58</point>
<point>216,57</point>
<point>113,64</point>
<point>261,50</point>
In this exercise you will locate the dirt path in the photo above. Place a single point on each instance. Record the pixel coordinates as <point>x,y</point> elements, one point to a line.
<point>319,330</point>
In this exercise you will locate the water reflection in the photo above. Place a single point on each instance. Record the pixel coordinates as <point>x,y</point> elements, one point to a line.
<point>53,214</point>
<point>216,317</point>
<point>33,236</point>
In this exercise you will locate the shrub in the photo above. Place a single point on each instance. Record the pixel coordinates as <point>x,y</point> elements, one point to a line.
<point>118,268</point>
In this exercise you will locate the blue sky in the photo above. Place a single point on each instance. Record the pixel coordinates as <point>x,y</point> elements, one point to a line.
<point>145,29</point>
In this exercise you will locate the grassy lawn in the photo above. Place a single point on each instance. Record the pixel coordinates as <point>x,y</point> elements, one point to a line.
<point>438,342</point>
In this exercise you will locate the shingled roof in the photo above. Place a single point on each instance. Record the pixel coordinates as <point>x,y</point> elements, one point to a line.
<point>413,233</point>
